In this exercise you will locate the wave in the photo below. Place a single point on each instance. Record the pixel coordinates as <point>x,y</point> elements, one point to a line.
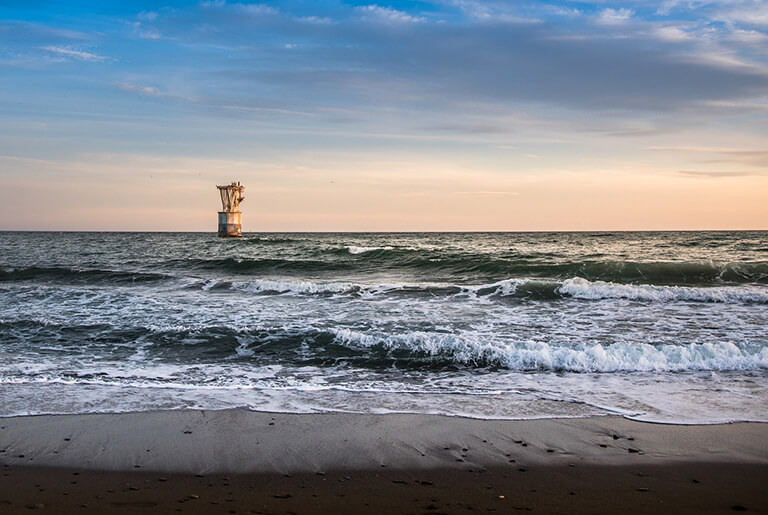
<point>532,288</point>
<point>541,356</point>
<point>270,240</point>
<point>365,259</point>
<point>508,289</point>
<point>197,350</point>
<point>353,249</point>
<point>246,266</point>
<point>580,288</point>
<point>78,275</point>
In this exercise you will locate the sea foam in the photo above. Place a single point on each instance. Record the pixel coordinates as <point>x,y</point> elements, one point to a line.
<point>593,290</point>
<point>583,357</point>
<point>575,288</point>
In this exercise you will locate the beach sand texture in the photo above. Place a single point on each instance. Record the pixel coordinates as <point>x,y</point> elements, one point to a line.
<point>239,461</point>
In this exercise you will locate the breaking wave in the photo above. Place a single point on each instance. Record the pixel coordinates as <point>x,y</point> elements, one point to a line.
<point>537,356</point>
<point>583,289</point>
<point>203,348</point>
<point>534,289</point>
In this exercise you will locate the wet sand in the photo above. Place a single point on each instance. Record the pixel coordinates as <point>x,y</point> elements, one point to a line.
<point>236,461</point>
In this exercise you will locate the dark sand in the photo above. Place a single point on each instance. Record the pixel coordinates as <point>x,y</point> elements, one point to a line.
<point>237,461</point>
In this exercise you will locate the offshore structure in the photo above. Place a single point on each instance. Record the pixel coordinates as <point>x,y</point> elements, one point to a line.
<point>230,216</point>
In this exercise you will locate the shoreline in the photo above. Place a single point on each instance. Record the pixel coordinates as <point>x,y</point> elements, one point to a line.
<point>251,462</point>
<point>241,440</point>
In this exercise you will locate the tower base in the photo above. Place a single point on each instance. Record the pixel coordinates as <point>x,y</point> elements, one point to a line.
<point>229,224</point>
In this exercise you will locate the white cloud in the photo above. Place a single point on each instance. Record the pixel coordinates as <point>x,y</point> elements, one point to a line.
<point>563,11</point>
<point>611,16</point>
<point>147,91</point>
<point>751,12</point>
<point>503,12</point>
<point>70,53</point>
<point>667,6</point>
<point>316,20</point>
<point>220,104</point>
<point>472,8</point>
<point>388,14</point>
<point>672,33</point>
<point>147,15</point>
<point>748,37</point>
<point>145,32</point>
<point>257,9</point>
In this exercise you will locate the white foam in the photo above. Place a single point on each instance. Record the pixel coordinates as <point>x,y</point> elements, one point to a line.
<point>297,287</point>
<point>577,288</point>
<point>583,289</point>
<point>473,348</point>
<point>353,249</point>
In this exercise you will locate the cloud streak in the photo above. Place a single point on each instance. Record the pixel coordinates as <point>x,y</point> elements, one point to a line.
<point>752,157</point>
<point>716,175</point>
<point>80,55</point>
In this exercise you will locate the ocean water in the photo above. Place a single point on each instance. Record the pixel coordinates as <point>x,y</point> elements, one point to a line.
<point>669,326</point>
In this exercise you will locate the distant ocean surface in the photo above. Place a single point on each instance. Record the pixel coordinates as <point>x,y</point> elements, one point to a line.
<point>658,326</point>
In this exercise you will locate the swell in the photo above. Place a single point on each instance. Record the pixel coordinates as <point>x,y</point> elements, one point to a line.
<point>246,266</point>
<point>376,259</point>
<point>77,275</point>
<point>481,266</point>
<point>576,288</point>
<point>198,353</point>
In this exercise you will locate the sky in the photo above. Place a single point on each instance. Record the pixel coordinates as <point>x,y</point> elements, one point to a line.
<point>398,116</point>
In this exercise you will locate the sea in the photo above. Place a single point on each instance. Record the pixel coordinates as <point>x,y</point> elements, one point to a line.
<point>667,327</point>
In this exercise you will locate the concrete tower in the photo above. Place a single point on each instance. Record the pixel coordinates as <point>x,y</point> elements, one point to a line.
<point>230,216</point>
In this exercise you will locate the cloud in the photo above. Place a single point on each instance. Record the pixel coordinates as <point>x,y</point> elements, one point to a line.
<point>751,157</point>
<point>256,9</point>
<point>495,66</point>
<point>501,11</point>
<point>749,37</point>
<point>34,33</point>
<point>387,14</point>
<point>480,61</point>
<point>748,12</point>
<point>318,20</point>
<point>562,11</point>
<point>147,16</point>
<point>612,16</point>
<point>486,193</point>
<point>716,175</point>
<point>673,33</point>
<point>639,132</point>
<point>221,105</point>
<point>70,53</point>
<point>483,59</point>
<point>470,128</point>
<point>146,91</point>
<point>667,6</point>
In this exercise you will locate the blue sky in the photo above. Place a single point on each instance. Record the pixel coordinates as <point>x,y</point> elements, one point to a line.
<point>438,115</point>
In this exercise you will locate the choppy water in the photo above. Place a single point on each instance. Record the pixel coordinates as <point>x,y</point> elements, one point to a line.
<point>656,326</point>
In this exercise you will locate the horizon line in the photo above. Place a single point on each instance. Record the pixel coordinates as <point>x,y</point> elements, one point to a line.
<point>452,231</point>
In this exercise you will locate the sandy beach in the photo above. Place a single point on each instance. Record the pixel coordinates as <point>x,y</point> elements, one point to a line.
<point>238,461</point>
